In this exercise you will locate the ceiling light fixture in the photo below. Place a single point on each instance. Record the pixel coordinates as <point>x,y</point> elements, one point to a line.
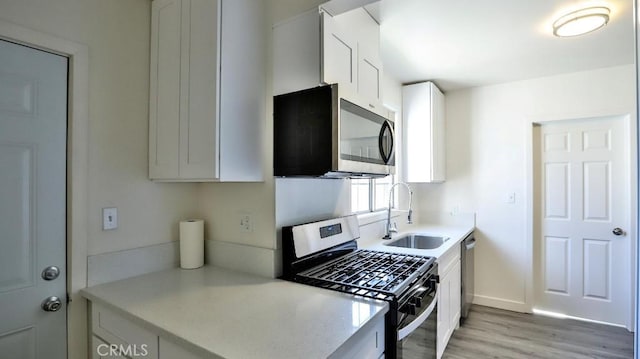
<point>581,21</point>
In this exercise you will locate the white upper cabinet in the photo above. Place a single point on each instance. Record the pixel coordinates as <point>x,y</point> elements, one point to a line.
<point>339,55</point>
<point>370,77</point>
<point>207,90</point>
<point>423,126</point>
<point>316,48</point>
<point>164,109</point>
<point>369,66</point>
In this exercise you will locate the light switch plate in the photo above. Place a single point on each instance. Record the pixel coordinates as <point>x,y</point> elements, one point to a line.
<point>109,218</point>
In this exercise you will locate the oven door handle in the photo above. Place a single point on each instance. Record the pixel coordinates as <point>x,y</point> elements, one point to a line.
<point>409,328</point>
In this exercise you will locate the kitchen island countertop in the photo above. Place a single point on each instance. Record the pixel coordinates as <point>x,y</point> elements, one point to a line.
<point>234,315</point>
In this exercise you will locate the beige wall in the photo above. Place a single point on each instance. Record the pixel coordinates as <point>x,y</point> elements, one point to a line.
<point>487,129</point>
<point>117,34</point>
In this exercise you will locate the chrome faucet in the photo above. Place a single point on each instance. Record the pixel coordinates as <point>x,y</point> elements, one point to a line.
<point>392,228</point>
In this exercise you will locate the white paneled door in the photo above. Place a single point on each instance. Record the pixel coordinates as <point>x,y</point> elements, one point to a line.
<point>33,130</point>
<point>583,253</point>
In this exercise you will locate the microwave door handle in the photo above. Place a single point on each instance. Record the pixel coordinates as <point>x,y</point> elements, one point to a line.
<point>409,328</point>
<point>385,156</point>
<point>392,136</point>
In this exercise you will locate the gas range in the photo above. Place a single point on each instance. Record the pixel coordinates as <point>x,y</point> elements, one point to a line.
<point>325,254</point>
<point>367,273</point>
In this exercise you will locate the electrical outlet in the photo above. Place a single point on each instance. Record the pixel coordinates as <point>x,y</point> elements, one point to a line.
<point>109,218</point>
<point>246,222</point>
<point>455,210</point>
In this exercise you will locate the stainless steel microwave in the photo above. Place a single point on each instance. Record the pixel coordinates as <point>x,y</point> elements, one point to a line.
<point>317,133</point>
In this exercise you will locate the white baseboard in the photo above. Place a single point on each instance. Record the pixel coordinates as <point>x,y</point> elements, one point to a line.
<point>500,303</point>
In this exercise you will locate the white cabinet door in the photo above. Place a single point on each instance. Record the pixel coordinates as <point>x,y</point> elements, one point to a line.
<point>199,89</point>
<point>183,89</point>
<point>297,54</point>
<point>424,132</point>
<point>346,51</point>
<point>243,92</point>
<point>449,294</point>
<point>351,56</point>
<point>207,90</point>
<point>102,350</point>
<point>339,56</point>
<point>444,313</point>
<point>126,338</point>
<point>438,135</point>
<point>164,101</point>
<point>456,295</point>
<point>114,336</point>
<point>367,343</point>
<point>370,77</point>
<point>365,33</point>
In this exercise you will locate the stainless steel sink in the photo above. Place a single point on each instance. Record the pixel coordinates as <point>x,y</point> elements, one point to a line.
<point>418,241</point>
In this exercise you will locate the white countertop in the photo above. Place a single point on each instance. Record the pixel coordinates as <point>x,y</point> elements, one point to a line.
<point>455,233</point>
<point>235,315</point>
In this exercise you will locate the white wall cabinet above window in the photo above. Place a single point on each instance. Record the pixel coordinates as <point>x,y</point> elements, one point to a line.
<point>369,76</point>
<point>208,88</point>
<point>423,125</point>
<point>339,63</point>
<point>316,48</point>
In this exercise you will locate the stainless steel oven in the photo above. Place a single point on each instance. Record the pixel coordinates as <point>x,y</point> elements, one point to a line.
<point>325,254</point>
<point>418,323</point>
<point>319,133</point>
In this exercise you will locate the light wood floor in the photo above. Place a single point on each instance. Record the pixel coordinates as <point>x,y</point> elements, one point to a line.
<point>495,333</point>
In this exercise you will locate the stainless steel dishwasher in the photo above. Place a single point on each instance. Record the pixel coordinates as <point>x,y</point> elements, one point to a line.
<point>466,259</point>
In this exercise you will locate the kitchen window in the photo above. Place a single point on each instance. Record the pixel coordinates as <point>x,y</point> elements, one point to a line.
<point>370,195</point>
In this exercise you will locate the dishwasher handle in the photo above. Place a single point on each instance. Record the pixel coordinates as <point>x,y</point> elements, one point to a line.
<point>470,244</point>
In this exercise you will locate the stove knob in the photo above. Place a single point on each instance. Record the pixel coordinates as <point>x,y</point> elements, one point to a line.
<point>411,308</point>
<point>417,301</point>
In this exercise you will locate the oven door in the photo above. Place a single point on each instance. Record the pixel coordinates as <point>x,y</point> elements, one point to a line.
<point>366,141</point>
<point>417,323</point>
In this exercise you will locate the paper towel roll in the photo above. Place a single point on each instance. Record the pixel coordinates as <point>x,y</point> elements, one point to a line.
<point>191,243</point>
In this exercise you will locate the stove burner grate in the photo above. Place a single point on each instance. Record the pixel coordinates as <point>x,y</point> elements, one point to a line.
<point>368,273</point>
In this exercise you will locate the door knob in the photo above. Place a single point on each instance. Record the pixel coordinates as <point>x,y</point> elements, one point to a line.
<point>50,273</point>
<point>618,231</point>
<point>52,304</point>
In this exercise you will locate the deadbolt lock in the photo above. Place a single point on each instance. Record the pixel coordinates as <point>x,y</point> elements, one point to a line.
<point>50,273</point>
